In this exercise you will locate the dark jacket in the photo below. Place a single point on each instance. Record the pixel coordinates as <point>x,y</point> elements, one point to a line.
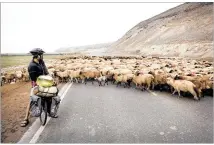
<point>37,69</point>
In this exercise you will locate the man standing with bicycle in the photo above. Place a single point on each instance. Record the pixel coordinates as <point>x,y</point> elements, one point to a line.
<point>35,69</point>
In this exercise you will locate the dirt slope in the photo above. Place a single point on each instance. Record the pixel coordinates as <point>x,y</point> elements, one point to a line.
<point>186,30</point>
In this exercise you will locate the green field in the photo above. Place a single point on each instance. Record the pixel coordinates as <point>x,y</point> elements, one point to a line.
<point>8,61</point>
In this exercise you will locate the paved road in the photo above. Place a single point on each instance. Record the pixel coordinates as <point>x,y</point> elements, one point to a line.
<point>93,114</point>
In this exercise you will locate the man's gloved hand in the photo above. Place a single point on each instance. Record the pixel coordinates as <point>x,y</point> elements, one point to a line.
<point>55,83</point>
<point>33,83</point>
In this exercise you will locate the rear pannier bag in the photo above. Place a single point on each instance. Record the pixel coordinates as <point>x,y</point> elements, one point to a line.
<point>35,102</point>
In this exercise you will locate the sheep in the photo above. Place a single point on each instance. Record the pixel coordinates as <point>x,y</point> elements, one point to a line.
<point>51,73</point>
<point>125,71</point>
<point>188,77</point>
<point>101,79</point>
<point>2,80</point>
<point>25,77</point>
<point>9,77</point>
<point>18,75</point>
<point>119,78</point>
<point>116,61</point>
<point>89,74</point>
<point>207,84</point>
<point>200,84</point>
<point>61,67</point>
<point>62,75</point>
<point>143,80</point>
<point>159,79</point>
<point>183,85</point>
<point>105,70</point>
<point>200,73</point>
<point>70,66</point>
<point>49,66</point>
<point>74,74</point>
<point>109,77</point>
<point>129,78</point>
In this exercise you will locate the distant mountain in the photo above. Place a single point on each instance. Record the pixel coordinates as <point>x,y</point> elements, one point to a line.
<point>86,49</point>
<point>185,31</point>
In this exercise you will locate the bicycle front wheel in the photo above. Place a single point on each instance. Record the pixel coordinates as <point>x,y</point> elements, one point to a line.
<point>44,112</point>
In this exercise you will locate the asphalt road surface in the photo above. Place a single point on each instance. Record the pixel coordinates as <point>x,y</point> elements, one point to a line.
<point>93,114</point>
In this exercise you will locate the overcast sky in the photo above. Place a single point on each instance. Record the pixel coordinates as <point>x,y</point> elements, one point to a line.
<point>55,25</point>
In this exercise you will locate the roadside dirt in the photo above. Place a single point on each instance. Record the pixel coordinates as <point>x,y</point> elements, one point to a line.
<point>14,99</point>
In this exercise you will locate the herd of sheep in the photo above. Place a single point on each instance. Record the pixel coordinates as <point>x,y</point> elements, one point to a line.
<point>170,74</point>
<point>14,75</point>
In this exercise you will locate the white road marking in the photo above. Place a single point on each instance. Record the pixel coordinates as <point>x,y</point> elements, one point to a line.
<point>62,97</point>
<point>152,93</point>
<point>39,131</point>
<point>92,132</point>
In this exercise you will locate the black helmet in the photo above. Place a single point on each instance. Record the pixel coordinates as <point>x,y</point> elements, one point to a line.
<point>37,51</point>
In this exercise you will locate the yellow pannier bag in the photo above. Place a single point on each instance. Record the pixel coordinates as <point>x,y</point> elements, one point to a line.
<point>46,87</point>
<point>45,81</point>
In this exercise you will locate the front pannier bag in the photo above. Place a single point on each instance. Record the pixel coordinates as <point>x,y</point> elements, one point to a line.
<point>46,87</point>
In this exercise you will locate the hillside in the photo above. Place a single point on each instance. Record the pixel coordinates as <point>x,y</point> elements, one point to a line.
<point>186,30</point>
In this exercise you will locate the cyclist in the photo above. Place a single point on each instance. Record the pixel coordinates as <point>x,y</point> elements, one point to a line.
<point>36,68</point>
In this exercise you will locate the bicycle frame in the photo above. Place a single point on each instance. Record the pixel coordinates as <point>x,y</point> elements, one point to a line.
<point>43,104</point>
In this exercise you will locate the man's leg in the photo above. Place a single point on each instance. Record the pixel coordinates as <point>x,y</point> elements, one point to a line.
<point>26,119</point>
<point>27,111</point>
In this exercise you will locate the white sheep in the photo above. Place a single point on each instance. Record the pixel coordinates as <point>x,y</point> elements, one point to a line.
<point>102,79</point>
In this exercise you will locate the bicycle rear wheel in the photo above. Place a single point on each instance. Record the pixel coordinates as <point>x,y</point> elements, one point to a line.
<point>44,112</point>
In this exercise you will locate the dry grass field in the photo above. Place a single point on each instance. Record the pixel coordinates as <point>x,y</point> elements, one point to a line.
<point>9,61</point>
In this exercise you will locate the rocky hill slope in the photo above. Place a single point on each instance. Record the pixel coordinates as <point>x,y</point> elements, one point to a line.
<point>183,31</point>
